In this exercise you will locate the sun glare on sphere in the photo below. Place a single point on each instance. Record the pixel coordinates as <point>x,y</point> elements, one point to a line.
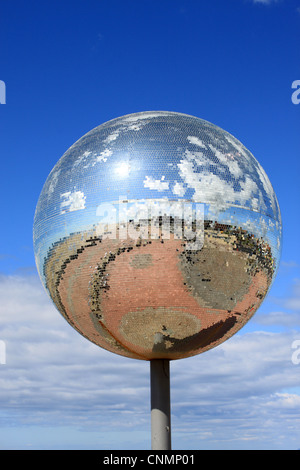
<point>122,169</point>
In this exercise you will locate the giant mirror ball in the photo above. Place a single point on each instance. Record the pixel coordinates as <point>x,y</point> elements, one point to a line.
<point>157,235</point>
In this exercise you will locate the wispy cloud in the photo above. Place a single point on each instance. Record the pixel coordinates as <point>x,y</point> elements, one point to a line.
<point>293,302</point>
<point>265,2</point>
<point>290,300</point>
<point>289,264</point>
<point>72,201</point>
<point>280,318</point>
<point>158,185</point>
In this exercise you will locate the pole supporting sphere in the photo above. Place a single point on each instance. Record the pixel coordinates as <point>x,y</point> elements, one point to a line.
<point>160,404</point>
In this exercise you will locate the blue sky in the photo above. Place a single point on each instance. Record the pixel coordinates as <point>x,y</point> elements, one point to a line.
<point>69,66</point>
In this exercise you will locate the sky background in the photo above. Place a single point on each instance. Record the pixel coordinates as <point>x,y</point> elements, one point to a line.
<point>69,66</point>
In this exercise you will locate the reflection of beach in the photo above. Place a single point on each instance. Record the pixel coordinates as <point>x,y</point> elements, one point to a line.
<point>152,298</point>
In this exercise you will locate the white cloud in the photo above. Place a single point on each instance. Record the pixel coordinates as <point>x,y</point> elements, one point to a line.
<point>211,187</point>
<point>285,400</point>
<point>102,157</point>
<point>53,181</point>
<point>290,301</point>
<point>73,201</point>
<point>196,141</point>
<point>111,137</point>
<point>136,122</point>
<point>179,189</point>
<point>265,2</point>
<point>293,302</point>
<point>208,187</point>
<point>145,116</point>
<point>158,185</point>
<point>289,264</point>
<point>284,319</point>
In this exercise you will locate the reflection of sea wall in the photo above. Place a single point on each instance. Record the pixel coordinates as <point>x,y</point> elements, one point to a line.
<point>63,252</point>
<point>220,275</point>
<point>59,256</point>
<point>259,252</point>
<point>105,286</point>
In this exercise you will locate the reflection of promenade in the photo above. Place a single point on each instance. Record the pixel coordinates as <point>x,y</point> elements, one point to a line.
<point>124,295</point>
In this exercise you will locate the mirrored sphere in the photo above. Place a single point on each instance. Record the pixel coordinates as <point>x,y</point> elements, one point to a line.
<point>157,235</point>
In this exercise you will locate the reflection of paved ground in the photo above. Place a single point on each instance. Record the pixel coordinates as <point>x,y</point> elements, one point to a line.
<point>150,298</point>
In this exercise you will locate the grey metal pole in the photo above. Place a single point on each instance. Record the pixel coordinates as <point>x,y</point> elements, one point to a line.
<point>160,404</point>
